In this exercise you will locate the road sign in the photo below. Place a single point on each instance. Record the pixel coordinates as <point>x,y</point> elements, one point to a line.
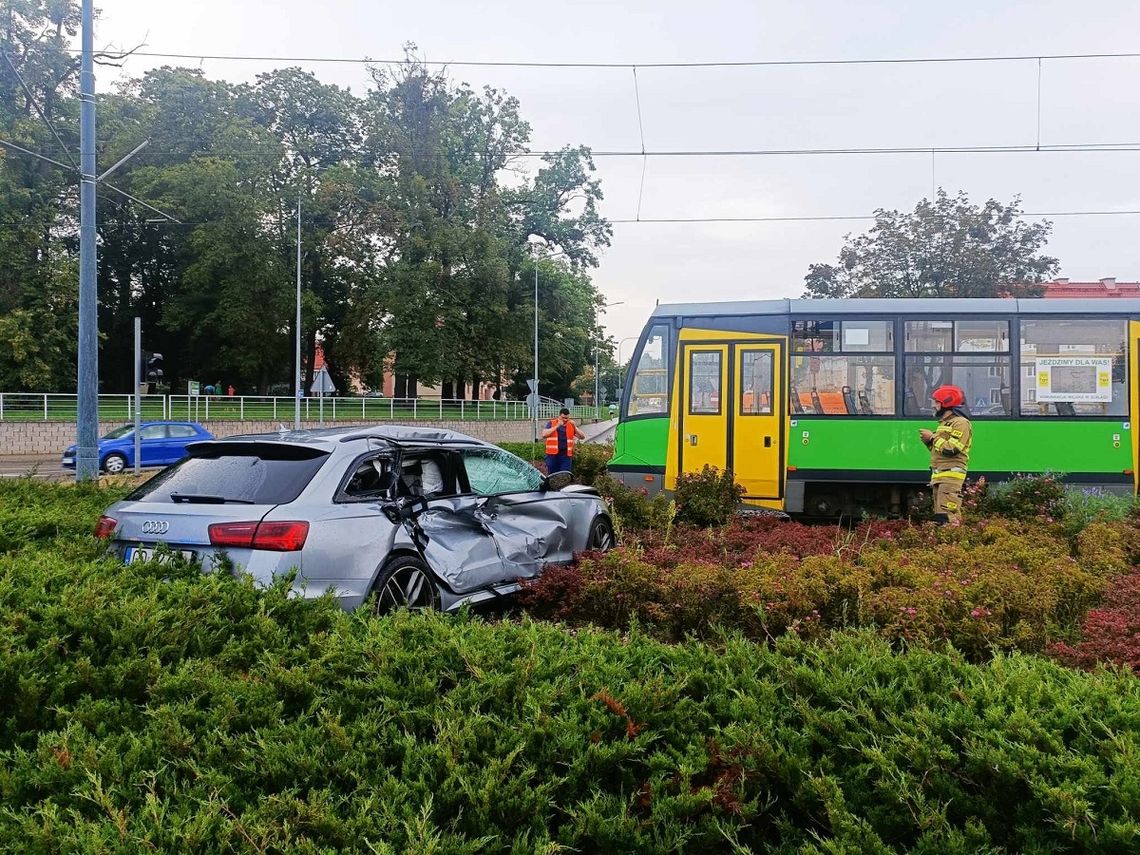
<point>532,384</point>
<point>532,400</point>
<point>193,388</point>
<point>322,383</point>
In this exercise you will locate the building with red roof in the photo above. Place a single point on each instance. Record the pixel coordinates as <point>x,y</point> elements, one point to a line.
<point>1102,288</point>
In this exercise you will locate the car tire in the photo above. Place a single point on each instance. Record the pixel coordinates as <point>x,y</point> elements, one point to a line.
<point>601,537</point>
<point>405,582</point>
<point>114,464</point>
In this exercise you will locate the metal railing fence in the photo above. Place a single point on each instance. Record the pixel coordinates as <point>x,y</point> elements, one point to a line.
<point>50,406</point>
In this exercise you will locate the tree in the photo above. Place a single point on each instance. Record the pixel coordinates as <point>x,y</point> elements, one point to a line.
<point>948,248</point>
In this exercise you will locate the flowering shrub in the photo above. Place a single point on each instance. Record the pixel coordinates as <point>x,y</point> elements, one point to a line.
<point>999,585</point>
<point>632,508</point>
<point>1111,632</point>
<point>590,461</point>
<point>708,497</point>
<point>1023,497</point>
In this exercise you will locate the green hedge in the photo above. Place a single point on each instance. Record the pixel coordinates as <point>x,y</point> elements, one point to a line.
<point>150,708</point>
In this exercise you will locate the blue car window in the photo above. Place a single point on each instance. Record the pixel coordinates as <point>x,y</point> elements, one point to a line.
<point>181,431</point>
<point>153,432</point>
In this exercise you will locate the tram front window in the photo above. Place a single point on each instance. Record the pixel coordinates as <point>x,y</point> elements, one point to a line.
<point>649,392</point>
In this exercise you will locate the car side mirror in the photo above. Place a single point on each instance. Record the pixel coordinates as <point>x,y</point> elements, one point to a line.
<point>557,481</point>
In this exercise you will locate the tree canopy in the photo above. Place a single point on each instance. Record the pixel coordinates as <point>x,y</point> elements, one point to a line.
<point>417,224</point>
<point>945,248</point>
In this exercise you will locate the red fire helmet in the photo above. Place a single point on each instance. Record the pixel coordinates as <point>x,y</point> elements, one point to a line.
<point>948,397</point>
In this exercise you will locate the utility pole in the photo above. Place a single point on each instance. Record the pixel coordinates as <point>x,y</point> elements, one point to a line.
<point>534,391</point>
<point>138,394</point>
<point>87,420</point>
<point>297,379</point>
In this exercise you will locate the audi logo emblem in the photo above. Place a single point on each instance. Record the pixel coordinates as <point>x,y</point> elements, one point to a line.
<point>155,527</point>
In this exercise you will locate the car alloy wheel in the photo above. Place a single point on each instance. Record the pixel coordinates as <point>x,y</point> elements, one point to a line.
<point>601,536</point>
<point>114,464</point>
<point>405,583</point>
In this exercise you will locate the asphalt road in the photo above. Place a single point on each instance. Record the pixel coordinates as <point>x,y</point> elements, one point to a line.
<point>38,466</point>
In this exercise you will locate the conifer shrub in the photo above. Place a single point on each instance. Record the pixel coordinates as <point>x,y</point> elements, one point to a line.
<point>154,708</point>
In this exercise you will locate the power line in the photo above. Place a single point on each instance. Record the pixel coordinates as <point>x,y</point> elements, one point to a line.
<point>823,218</point>
<point>1028,148</point>
<point>752,63</point>
<point>829,218</point>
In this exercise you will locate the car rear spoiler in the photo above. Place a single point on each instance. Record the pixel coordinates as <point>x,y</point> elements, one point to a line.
<point>265,449</point>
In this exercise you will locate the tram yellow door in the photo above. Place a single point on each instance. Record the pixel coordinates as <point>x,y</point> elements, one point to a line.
<point>756,429</point>
<point>705,407</point>
<point>732,412</point>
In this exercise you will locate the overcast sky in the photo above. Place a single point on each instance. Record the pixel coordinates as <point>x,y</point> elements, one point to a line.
<point>1082,101</point>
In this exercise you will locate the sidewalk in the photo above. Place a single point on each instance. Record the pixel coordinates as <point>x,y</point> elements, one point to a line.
<point>599,431</point>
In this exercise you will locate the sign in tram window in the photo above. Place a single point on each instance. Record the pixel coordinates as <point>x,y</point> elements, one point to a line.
<point>704,383</point>
<point>1067,378</point>
<point>755,382</point>
<point>1074,367</point>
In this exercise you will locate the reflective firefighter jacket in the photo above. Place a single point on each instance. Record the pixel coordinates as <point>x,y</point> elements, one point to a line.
<point>950,446</point>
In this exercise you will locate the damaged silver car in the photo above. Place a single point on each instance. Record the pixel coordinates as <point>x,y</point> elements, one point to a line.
<point>392,515</point>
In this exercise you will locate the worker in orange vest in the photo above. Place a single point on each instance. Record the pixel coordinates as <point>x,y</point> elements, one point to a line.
<point>560,434</point>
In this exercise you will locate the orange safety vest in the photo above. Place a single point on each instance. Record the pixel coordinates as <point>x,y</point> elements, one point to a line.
<point>552,440</point>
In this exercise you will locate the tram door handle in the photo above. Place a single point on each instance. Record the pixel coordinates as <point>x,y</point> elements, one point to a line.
<point>767,442</point>
<point>692,439</point>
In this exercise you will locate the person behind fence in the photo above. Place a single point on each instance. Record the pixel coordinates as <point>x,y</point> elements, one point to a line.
<point>949,446</point>
<point>560,434</point>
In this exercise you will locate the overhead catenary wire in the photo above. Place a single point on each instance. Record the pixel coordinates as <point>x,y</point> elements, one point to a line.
<point>839,218</point>
<point>1028,148</point>
<point>744,63</point>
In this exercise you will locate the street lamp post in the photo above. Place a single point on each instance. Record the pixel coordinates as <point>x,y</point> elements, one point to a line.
<point>597,374</point>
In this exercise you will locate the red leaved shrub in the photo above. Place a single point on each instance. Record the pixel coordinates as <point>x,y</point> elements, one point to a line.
<point>996,585</point>
<point>1111,632</point>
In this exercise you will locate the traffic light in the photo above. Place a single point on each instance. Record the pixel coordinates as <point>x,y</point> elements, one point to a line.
<point>150,367</point>
<point>153,367</point>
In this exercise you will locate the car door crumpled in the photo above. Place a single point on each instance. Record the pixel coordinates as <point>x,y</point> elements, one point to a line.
<point>460,547</point>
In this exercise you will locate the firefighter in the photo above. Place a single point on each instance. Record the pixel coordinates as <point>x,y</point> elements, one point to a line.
<point>949,446</point>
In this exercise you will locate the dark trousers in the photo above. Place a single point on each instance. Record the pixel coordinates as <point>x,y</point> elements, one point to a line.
<point>558,463</point>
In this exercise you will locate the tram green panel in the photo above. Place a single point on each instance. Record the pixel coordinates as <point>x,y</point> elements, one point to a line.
<point>1014,446</point>
<point>641,442</point>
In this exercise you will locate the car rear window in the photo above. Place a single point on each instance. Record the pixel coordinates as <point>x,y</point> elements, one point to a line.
<point>261,474</point>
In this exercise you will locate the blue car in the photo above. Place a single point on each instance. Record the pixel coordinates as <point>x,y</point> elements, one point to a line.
<point>160,444</point>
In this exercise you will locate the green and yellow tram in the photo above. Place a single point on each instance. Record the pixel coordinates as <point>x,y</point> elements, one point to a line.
<point>815,405</point>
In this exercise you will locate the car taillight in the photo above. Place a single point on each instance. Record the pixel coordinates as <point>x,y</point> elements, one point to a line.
<point>278,536</point>
<point>105,527</point>
<point>233,534</point>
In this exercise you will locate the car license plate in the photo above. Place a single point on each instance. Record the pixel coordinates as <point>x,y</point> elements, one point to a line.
<point>135,554</point>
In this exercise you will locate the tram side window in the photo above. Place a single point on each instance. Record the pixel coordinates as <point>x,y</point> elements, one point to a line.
<point>704,383</point>
<point>649,394</point>
<point>755,382</point>
<point>843,368</point>
<point>1073,367</point>
<point>972,354</point>
<point>984,379</point>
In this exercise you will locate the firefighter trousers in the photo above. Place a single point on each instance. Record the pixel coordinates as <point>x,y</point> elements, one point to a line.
<point>947,484</point>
